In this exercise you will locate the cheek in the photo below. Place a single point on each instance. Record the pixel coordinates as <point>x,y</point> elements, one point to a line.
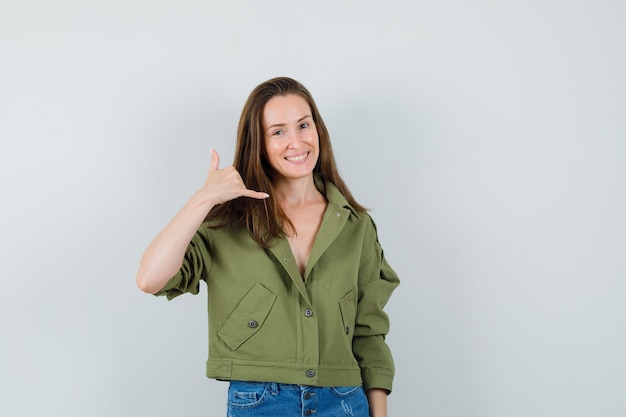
<point>313,138</point>
<point>272,148</point>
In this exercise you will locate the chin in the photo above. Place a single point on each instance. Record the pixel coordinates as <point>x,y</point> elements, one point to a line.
<point>290,175</point>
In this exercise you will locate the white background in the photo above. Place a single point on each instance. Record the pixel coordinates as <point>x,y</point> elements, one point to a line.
<point>488,137</point>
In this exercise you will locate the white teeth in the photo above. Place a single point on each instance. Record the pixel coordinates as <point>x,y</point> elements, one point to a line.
<point>296,158</point>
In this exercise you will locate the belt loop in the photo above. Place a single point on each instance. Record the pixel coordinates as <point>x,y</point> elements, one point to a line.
<point>274,388</point>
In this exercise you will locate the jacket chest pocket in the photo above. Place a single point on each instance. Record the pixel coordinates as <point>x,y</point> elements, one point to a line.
<point>347,307</point>
<point>248,317</point>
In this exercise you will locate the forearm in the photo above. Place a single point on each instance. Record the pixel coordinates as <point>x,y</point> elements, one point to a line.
<point>377,399</point>
<point>164,255</point>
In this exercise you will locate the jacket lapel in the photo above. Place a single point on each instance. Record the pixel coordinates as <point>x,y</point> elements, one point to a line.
<point>282,252</point>
<point>334,220</point>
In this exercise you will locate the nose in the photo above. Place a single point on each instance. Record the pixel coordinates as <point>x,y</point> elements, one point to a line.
<point>295,141</point>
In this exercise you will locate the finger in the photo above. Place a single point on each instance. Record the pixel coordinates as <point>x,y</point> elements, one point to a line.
<point>215,161</point>
<point>255,194</point>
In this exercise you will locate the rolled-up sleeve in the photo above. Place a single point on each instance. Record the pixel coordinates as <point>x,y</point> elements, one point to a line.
<point>196,266</point>
<point>377,281</point>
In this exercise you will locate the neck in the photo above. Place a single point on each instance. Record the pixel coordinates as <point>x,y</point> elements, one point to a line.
<point>296,191</point>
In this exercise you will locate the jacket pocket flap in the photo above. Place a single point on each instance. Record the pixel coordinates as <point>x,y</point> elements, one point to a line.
<point>347,307</point>
<point>248,317</point>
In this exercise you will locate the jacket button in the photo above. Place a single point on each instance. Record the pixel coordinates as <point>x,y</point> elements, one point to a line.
<point>252,324</point>
<point>310,373</point>
<point>308,313</point>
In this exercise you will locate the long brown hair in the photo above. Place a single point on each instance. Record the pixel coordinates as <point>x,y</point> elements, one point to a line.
<point>264,219</point>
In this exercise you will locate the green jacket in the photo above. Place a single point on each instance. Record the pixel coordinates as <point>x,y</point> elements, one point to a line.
<point>267,323</point>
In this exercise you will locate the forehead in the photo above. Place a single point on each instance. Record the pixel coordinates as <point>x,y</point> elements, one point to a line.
<point>285,109</point>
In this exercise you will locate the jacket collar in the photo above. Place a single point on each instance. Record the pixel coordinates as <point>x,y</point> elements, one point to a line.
<point>333,195</point>
<point>335,218</point>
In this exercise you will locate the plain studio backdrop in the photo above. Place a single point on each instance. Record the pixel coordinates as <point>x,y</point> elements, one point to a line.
<point>487,137</point>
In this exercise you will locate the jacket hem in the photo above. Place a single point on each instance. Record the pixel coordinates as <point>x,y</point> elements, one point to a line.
<point>285,373</point>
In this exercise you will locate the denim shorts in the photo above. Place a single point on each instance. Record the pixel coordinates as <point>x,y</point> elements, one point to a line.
<point>268,399</point>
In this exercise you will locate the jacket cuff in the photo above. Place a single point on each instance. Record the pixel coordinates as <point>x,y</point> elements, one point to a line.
<point>377,378</point>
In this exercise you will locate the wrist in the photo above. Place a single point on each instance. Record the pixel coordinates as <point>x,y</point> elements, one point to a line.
<point>202,202</point>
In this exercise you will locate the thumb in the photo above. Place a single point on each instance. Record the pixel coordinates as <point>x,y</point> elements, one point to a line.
<point>215,161</point>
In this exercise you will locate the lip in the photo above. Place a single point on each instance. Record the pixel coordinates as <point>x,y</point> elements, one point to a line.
<point>297,159</point>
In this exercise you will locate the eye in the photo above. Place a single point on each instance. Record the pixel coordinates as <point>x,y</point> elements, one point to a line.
<point>277,133</point>
<point>304,125</point>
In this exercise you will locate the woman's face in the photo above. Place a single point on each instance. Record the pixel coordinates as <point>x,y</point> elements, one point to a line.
<point>291,140</point>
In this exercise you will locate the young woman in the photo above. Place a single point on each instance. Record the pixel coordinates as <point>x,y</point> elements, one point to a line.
<point>296,279</point>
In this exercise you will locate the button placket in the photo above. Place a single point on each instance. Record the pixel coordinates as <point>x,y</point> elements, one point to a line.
<point>309,403</point>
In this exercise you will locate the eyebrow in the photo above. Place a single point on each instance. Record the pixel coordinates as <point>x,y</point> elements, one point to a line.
<point>283,124</point>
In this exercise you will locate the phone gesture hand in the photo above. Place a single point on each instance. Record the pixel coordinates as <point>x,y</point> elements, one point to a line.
<point>226,184</point>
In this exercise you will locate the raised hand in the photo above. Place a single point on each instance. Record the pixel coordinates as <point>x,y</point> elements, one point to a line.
<point>164,255</point>
<point>225,184</point>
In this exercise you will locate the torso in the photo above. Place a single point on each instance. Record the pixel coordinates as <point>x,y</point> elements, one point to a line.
<point>307,220</point>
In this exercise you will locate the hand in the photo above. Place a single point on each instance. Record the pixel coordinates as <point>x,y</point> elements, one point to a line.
<point>164,256</point>
<point>225,184</point>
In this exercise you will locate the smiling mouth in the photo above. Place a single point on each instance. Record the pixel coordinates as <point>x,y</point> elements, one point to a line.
<point>297,158</point>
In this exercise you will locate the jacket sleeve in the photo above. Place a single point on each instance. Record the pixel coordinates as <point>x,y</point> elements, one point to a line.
<point>377,280</point>
<point>195,267</point>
